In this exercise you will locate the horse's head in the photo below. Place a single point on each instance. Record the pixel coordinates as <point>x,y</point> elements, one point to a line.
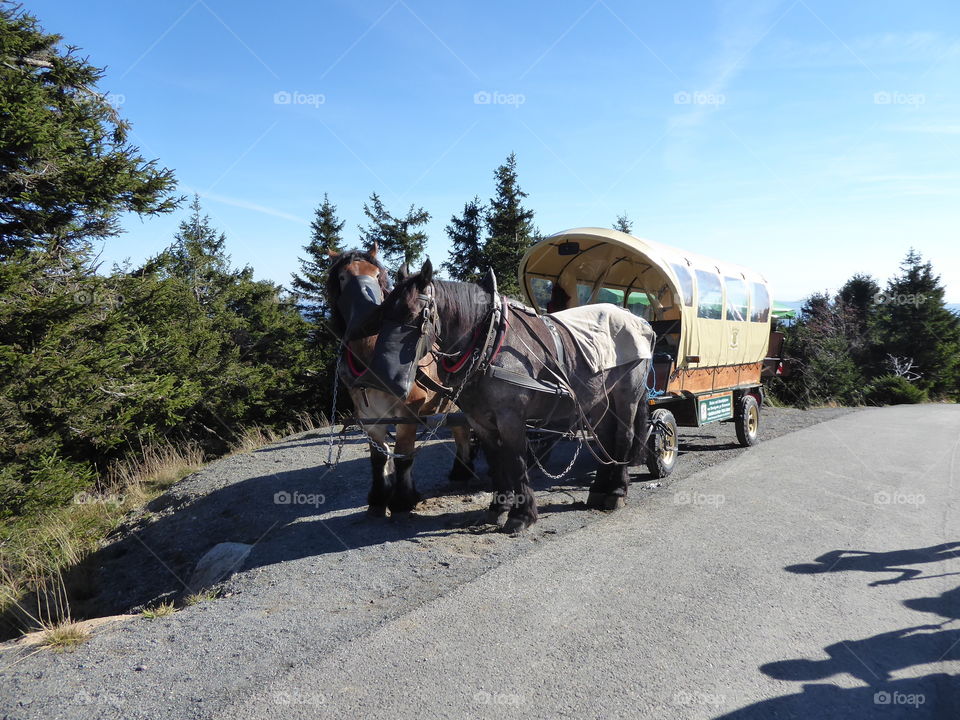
<point>356,285</point>
<point>406,328</point>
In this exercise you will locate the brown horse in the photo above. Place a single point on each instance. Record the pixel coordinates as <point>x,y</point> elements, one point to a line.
<point>357,283</point>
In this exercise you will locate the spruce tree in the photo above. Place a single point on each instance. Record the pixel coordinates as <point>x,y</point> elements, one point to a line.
<point>467,262</point>
<point>401,241</point>
<point>857,307</point>
<point>915,324</point>
<point>823,368</point>
<point>409,239</point>
<point>325,237</point>
<point>509,226</point>
<point>197,256</point>
<point>67,171</point>
<point>623,224</point>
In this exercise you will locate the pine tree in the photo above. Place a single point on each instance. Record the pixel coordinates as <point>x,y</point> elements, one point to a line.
<point>399,239</point>
<point>915,324</point>
<point>197,256</point>
<point>67,171</point>
<point>623,224</point>
<point>467,262</point>
<point>822,366</point>
<point>509,226</point>
<point>325,237</point>
<point>409,242</point>
<point>856,303</point>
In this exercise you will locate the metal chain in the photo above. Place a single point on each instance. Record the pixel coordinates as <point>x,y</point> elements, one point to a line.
<point>333,414</point>
<point>536,461</point>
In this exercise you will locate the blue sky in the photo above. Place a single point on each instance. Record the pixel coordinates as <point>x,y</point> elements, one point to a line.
<point>807,139</point>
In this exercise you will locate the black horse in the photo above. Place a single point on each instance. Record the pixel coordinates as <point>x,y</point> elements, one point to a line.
<point>508,369</point>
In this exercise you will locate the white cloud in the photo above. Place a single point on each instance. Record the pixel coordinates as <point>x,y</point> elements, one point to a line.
<point>247,205</point>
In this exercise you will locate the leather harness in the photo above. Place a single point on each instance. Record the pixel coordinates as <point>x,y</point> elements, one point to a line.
<point>484,357</point>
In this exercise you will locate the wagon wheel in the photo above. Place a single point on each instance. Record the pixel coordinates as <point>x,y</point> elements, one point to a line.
<point>748,421</point>
<point>662,447</point>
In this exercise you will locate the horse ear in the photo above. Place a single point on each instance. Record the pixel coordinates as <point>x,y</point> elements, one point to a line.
<point>374,250</point>
<point>332,254</point>
<point>489,282</point>
<point>426,275</point>
<point>403,272</point>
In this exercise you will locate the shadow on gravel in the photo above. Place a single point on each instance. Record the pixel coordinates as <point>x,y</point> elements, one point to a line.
<point>932,696</point>
<point>286,515</point>
<point>881,562</point>
<point>876,660</point>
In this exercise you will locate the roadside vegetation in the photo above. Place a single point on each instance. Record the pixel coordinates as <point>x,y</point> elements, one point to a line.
<point>875,345</point>
<point>117,382</point>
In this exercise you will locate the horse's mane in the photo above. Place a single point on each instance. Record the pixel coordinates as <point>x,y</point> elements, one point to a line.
<point>466,304</point>
<point>333,284</point>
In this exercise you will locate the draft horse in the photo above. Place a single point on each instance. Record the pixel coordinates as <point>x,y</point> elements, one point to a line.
<point>356,285</point>
<point>509,369</point>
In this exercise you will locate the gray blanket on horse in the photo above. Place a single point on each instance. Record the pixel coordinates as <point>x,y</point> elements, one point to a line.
<point>608,335</point>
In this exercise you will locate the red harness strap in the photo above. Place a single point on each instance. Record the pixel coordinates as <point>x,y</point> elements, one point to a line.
<point>458,365</point>
<point>352,364</point>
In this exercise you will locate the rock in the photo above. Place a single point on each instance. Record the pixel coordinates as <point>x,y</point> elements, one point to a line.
<point>220,561</point>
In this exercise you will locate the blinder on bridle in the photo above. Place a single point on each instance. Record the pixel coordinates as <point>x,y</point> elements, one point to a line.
<point>402,345</point>
<point>359,297</point>
<point>429,324</point>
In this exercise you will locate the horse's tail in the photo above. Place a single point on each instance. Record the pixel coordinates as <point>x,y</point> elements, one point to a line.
<point>641,424</point>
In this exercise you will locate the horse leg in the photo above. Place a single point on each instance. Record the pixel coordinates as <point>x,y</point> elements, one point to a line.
<point>609,488</point>
<point>462,469</point>
<point>513,470</point>
<point>619,427</point>
<point>382,487</point>
<point>502,499</point>
<point>405,496</point>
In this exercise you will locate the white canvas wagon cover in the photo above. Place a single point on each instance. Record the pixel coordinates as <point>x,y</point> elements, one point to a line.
<point>608,335</point>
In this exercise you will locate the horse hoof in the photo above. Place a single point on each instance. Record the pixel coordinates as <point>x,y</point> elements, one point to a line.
<point>404,508</point>
<point>614,502</point>
<point>595,500</point>
<point>377,511</point>
<point>497,517</point>
<point>605,501</point>
<point>460,473</point>
<point>515,526</point>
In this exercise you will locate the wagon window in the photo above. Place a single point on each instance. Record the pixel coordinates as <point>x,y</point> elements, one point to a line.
<point>760,302</point>
<point>638,303</point>
<point>710,296</point>
<point>540,291</point>
<point>736,299</point>
<point>610,295</point>
<point>583,293</point>
<point>686,283</point>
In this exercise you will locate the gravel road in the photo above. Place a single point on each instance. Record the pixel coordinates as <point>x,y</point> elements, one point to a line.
<point>321,574</point>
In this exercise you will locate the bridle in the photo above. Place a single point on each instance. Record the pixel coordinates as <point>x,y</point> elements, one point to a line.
<point>472,361</point>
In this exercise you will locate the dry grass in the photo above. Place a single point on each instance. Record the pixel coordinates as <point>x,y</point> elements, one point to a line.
<point>162,610</point>
<point>35,552</point>
<point>200,597</point>
<point>34,555</point>
<point>65,635</point>
<point>254,438</point>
